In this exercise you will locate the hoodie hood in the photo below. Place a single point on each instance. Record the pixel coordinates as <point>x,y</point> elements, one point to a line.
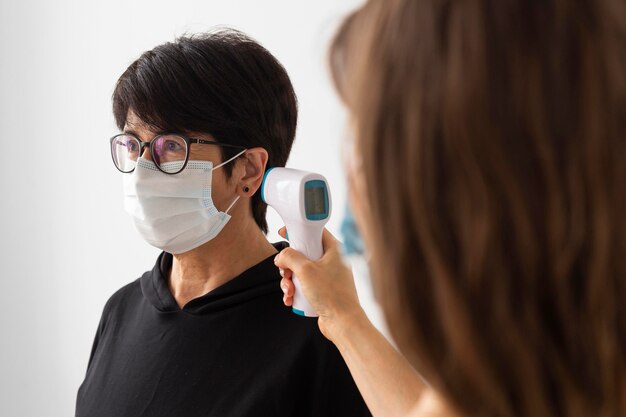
<point>261,279</point>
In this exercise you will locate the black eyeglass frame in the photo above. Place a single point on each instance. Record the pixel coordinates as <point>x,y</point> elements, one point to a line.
<point>188,140</point>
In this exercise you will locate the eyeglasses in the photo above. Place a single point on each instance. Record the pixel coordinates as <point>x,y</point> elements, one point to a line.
<point>170,152</point>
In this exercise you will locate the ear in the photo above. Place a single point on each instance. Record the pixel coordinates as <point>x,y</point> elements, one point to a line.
<point>255,162</point>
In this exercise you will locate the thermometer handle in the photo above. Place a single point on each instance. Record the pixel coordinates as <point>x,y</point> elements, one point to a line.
<point>308,241</point>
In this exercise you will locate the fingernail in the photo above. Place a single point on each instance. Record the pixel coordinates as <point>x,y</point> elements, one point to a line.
<point>284,288</point>
<point>281,272</point>
<point>276,258</point>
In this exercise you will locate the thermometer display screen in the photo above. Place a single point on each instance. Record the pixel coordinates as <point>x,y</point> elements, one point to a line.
<point>315,201</point>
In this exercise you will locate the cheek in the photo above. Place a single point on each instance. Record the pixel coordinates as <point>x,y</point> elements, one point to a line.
<point>218,186</point>
<point>358,204</point>
<point>204,153</point>
<point>222,189</point>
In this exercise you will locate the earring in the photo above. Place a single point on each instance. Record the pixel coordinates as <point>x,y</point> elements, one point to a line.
<point>246,189</point>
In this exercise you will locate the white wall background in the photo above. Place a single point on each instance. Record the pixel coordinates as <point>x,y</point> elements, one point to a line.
<point>65,242</point>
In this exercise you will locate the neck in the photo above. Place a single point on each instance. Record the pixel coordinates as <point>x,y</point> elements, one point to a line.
<point>239,246</point>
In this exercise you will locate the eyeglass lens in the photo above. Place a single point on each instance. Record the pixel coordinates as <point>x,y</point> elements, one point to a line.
<point>169,152</point>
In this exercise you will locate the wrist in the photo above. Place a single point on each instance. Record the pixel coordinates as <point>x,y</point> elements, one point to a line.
<point>344,323</point>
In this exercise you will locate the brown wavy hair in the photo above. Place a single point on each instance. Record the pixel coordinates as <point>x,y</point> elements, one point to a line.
<point>492,135</point>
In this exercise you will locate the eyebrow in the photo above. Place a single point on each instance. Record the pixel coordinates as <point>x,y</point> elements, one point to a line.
<point>134,133</point>
<point>130,131</point>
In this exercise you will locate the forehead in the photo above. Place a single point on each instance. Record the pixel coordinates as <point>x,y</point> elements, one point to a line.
<point>132,120</point>
<point>136,125</point>
<point>146,132</point>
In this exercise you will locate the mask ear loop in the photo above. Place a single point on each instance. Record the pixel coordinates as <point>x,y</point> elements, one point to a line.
<point>231,159</point>
<point>232,204</point>
<point>224,163</point>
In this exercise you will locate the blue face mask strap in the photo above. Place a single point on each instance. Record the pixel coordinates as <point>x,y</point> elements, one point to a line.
<point>231,159</point>
<point>352,240</point>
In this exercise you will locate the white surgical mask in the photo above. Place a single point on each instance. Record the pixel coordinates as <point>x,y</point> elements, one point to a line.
<point>174,213</point>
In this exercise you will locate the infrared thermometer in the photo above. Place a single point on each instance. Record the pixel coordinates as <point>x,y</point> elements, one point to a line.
<point>302,200</point>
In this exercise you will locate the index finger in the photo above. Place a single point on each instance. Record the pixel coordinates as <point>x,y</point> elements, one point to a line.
<point>289,258</point>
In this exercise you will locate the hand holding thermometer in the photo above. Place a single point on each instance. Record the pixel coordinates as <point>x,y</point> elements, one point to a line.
<point>302,199</point>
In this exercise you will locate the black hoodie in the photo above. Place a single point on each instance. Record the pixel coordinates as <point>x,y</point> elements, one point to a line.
<point>235,351</point>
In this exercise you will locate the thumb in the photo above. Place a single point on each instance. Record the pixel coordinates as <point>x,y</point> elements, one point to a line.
<point>329,242</point>
<point>290,258</point>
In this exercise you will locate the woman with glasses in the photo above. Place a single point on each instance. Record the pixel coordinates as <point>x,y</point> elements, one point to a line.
<point>203,333</point>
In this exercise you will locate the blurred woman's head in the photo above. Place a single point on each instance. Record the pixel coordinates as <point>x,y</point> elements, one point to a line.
<point>491,137</point>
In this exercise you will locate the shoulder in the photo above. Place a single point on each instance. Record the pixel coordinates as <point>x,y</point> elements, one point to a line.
<point>122,296</point>
<point>127,291</point>
<point>111,310</point>
<point>270,318</point>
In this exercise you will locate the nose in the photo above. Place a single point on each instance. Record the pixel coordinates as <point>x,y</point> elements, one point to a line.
<point>145,154</point>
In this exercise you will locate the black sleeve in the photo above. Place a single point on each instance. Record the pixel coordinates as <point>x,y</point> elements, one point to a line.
<point>338,394</point>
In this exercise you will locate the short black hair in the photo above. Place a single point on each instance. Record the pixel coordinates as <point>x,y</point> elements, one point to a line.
<point>222,83</point>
